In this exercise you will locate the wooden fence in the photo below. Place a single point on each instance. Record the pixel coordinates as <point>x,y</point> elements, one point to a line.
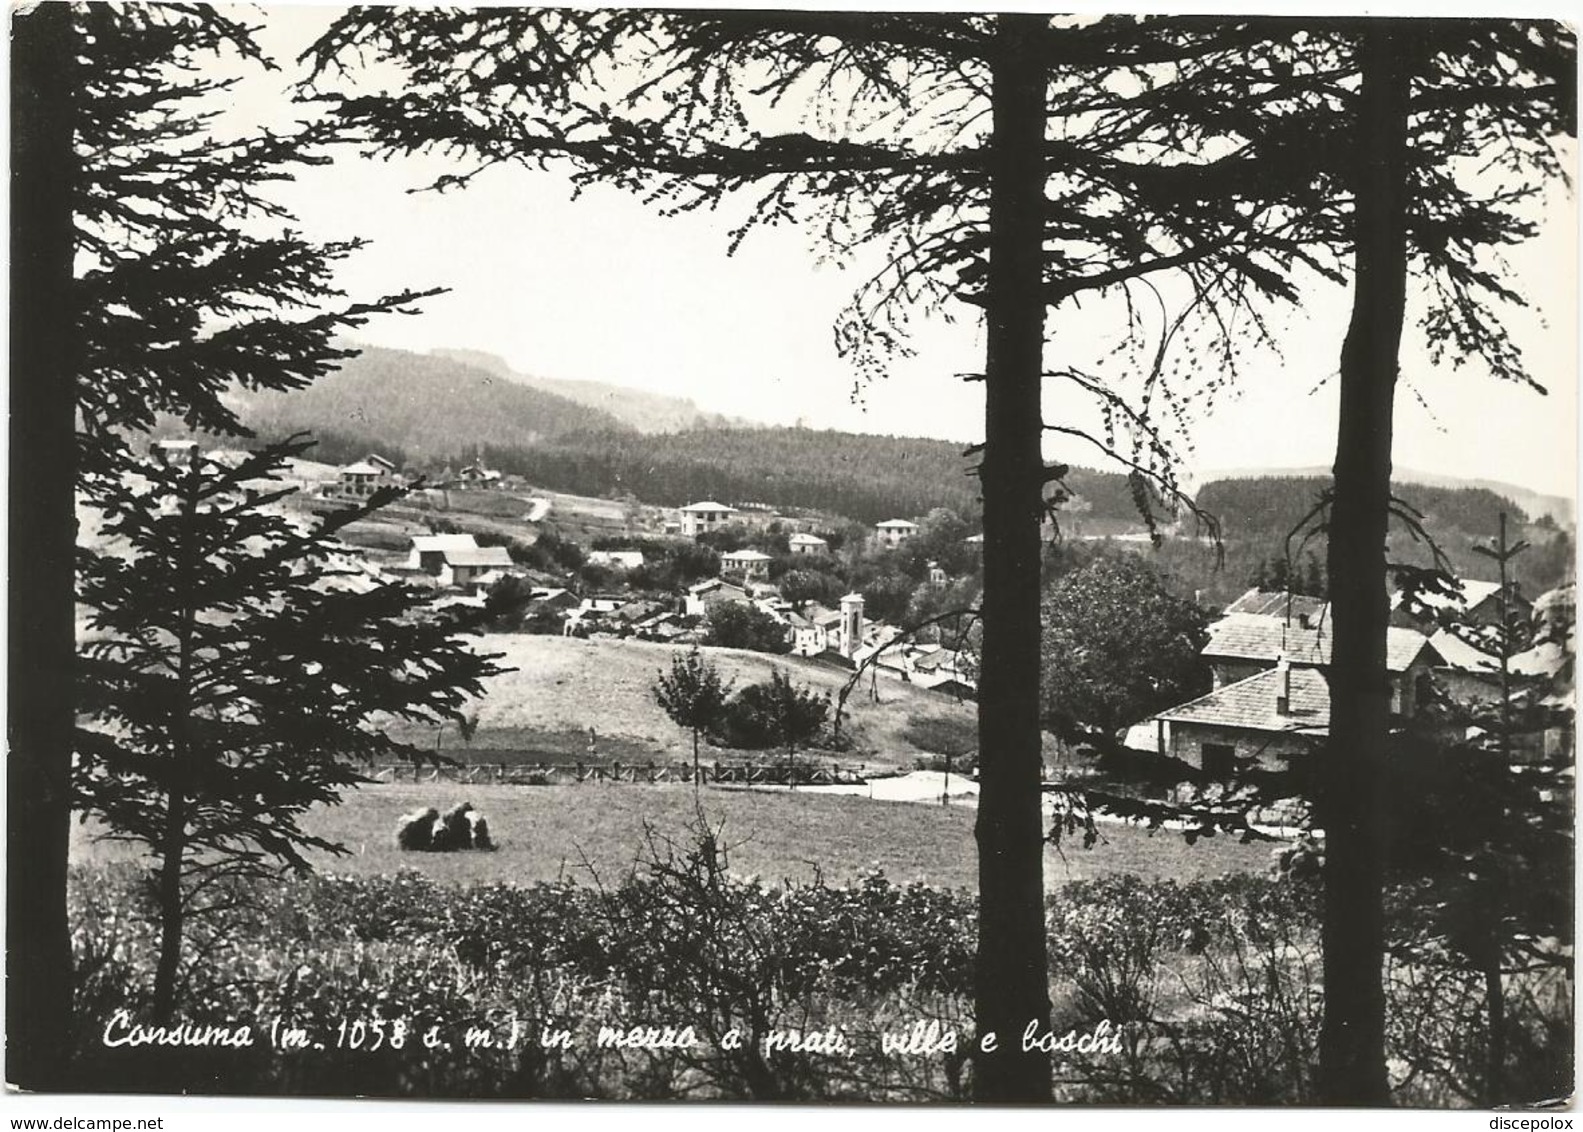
<point>561,774</point>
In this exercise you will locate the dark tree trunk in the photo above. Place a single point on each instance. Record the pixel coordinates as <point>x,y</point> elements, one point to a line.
<point>1495,1015</point>
<point>173,847</point>
<point>1352,1044</point>
<point>171,908</point>
<point>41,652</point>
<point>1012,985</point>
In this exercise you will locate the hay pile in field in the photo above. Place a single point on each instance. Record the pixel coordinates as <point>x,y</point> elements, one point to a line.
<point>428,831</point>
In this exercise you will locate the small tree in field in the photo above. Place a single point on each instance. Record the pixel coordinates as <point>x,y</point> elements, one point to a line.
<point>694,696</point>
<point>793,715</point>
<point>235,668</point>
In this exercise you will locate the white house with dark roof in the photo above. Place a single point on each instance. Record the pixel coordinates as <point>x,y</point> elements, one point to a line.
<point>428,551</point>
<point>704,596</point>
<point>894,532</point>
<point>464,565</point>
<point>455,560</point>
<point>698,518</point>
<point>361,479</point>
<point>1270,698</point>
<point>802,543</point>
<point>748,563</point>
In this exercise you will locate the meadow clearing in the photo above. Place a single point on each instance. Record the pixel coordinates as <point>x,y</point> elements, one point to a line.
<point>599,830</point>
<point>568,684</point>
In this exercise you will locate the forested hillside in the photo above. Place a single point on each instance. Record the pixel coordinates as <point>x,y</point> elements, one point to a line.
<point>863,476</point>
<point>1257,514</point>
<point>428,411</point>
<point>1272,505</point>
<point>429,407</point>
<point>636,408</point>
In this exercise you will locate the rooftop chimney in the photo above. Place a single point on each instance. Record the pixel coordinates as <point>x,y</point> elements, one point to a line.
<point>1283,686</point>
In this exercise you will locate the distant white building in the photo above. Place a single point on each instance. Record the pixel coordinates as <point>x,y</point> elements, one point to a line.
<point>456,560</point>
<point>362,479</point>
<point>704,596</point>
<point>808,544</point>
<point>894,532</point>
<point>462,566</point>
<point>698,518</point>
<point>748,563</point>
<point>849,637</point>
<point>428,551</point>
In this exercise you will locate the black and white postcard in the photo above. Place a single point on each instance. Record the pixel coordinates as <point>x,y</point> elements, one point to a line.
<point>807,556</point>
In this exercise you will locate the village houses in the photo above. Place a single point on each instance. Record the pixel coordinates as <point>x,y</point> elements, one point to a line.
<point>748,563</point>
<point>894,532</point>
<point>366,476</point>
<point>455,560</point>
<point>1270,701</point>
<point>699,518</point>
<point>802,543</point>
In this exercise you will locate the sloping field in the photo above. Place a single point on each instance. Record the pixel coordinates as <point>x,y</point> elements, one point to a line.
<point>567,684</point>
<point>602,829</point>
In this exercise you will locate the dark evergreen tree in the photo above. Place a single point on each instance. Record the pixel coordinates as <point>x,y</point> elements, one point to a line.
<point>1432,95</point>
<point>236,668</point>
<point>149,274</point>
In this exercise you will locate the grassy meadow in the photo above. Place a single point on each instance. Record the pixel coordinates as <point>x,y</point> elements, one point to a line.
<point>566,684</point>
<point>578,832</point>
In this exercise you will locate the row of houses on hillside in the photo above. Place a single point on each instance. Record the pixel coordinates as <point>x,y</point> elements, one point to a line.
<point>706,516</point>
<point>1270,701</point>
<point>362,478</point>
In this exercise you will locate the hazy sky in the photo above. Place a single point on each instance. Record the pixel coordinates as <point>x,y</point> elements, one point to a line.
<point>603,288</point>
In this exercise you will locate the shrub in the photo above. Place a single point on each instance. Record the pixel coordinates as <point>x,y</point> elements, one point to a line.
<point>956,736</point>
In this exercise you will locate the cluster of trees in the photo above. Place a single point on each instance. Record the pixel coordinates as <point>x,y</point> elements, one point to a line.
<point>868,478</point>
<point>774,713</point>
<point>1268,507</point>
<point>737,625</point>
<point>1279,574</point>
<point>1118,646</point>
